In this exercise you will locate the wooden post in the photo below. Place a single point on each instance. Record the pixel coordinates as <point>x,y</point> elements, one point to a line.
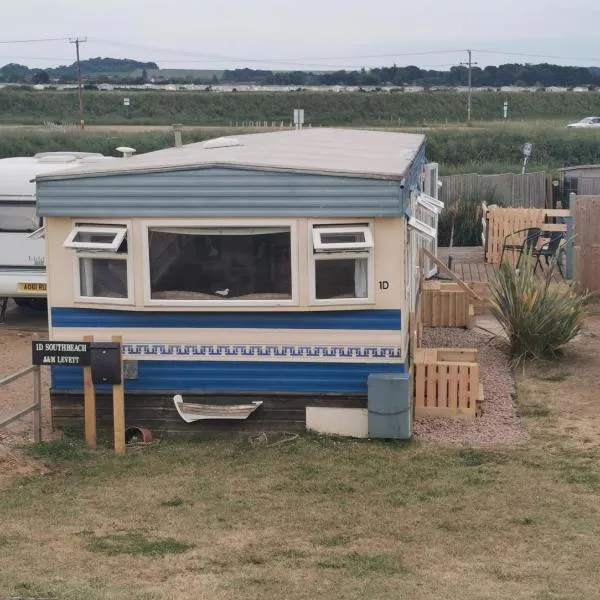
<point>89,403</point>
<point>119,409</point>
<point>570,234</point>
<point>37,398</point>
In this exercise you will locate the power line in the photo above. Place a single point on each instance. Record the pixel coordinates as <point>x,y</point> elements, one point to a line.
<point>524,55</point>
<point>12,57</point>
<point>299,60</point>
<point>63,39</point>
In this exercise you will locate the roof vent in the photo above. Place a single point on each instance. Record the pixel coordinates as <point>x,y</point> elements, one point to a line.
<point>222,142</point>
<point>126,151</point>
<point>64,157</point>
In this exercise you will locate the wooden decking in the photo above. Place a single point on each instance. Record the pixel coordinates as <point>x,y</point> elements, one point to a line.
<point>468,263</point>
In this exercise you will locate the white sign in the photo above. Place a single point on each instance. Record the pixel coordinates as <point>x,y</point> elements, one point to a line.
<point>125,101</point>
<point>298,116</point>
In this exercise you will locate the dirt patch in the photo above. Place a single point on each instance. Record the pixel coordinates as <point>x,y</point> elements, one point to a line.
<point>565,392</point>
<point>14,463</point>
<point>500,423</point>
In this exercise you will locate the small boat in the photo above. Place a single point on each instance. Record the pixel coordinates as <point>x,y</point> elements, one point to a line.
<point>190,411</point>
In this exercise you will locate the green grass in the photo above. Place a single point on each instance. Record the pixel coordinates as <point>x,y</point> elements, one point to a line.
<point>63,449</point>
<point>134,543</point>
<point>320,517</point>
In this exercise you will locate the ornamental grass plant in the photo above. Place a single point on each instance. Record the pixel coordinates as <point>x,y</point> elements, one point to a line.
<point>538,317</point>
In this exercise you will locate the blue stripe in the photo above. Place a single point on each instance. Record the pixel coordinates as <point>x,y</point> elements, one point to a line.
<point>349,319</point>
<point>225,376</point>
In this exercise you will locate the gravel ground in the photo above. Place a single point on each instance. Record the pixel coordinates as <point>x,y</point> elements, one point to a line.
<point>499,423</point>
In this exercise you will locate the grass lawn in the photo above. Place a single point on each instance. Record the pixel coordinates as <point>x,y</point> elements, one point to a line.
<point>322,517</point>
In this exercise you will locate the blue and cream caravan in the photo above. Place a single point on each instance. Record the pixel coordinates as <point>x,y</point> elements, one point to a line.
<point>274,271</point>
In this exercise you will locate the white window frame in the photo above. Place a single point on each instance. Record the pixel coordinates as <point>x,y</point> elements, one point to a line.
<point>424,229</point>
<point>430,203</point>
<point>432,183</point>
<point>119,233</point>
<point>38,234</point>
<point>104,255</point>
<point>363,252</point>
<point>434,207</point>
<point>320,246</point>
<point>219,224</point>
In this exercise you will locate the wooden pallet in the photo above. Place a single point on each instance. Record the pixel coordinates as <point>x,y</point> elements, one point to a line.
<point>445,304</point>
<point>446,382</point>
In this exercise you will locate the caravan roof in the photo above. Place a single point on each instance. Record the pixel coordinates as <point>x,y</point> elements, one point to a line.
<point>17,174</point>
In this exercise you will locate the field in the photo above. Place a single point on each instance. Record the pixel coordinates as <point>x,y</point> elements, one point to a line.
<point>322,108</point>
<point>323,517</point>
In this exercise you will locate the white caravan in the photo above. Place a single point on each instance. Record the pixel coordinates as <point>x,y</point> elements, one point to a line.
<point>22,244</point>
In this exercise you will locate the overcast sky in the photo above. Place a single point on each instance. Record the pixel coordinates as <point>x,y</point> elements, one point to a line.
<point>303,34</point>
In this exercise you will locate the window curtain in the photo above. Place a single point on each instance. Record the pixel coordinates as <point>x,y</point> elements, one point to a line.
<point>18,217</point>
<point>86,276</point>
<point>361,277</point>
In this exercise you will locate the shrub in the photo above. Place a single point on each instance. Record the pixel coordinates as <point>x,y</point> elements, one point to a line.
<point>465,216</point>
<point>538,319</point>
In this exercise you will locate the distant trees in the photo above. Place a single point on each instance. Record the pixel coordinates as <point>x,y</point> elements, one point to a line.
<point>491,76</point>
<point>113,70</point>
<point>41,77</point>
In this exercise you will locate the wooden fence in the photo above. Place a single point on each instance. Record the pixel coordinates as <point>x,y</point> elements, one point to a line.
<point>504,221</point>
<point>586,212</point>
<point>446,382</point>
<point>519,191</point>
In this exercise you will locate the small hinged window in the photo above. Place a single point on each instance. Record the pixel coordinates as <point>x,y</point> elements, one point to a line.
<point>347,238</point>
<point>430,203</point>
<point>86,237</point>
<point>38,234</point>
<point>422,228</point>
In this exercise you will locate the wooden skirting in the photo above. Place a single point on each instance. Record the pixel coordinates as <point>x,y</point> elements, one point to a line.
<point>446,382</point>
<point>157,412</point>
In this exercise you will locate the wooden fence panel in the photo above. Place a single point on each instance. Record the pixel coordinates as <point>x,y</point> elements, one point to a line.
<point>504,221</point>
<point>586,213</point>
<point>446,382</point>
<point>510,189</point>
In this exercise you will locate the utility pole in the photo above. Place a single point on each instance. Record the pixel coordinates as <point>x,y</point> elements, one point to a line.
<point>78,41</point>
<point>469,64</point>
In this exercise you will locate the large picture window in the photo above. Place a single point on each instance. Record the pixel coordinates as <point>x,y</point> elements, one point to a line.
<point>220,264</point>
<point>341,258</point>
<point>102,262</point>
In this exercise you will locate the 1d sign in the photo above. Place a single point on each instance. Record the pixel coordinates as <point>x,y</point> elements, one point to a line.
<point>75,354</point>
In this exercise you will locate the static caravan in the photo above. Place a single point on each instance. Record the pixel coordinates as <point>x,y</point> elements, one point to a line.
<point>251,277</point>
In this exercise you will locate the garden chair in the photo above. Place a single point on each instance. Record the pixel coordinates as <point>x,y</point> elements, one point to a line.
<point>550,250</point>
<point>532,236</point>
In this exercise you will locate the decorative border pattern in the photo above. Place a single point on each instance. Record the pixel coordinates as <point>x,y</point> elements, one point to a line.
<point>249,352</point>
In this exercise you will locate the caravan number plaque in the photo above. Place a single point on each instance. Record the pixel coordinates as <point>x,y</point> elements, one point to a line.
<point>75,354</point>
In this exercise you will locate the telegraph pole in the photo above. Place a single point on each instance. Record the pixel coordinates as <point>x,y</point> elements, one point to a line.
<point>469,65</point>
<point>78,41</point>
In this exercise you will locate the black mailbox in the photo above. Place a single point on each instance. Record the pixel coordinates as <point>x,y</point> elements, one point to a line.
<point>105,360</point>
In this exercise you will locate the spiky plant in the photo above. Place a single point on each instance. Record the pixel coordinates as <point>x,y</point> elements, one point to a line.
<point>538,319</point>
